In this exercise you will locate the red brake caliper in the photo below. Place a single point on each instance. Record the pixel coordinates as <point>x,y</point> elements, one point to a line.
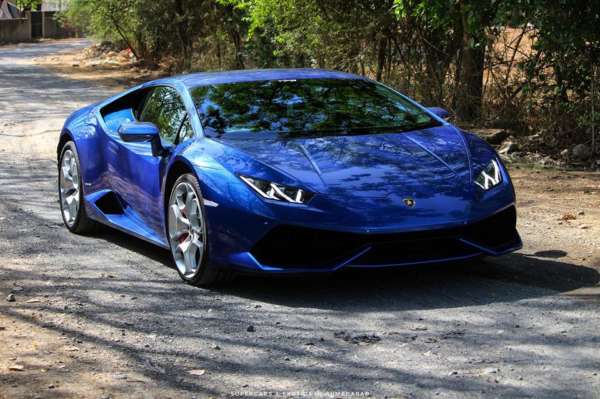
<point>183,237</point>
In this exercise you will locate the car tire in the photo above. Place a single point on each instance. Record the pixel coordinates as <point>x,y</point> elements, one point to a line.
<point>70,192</point>
<point>187,234</point>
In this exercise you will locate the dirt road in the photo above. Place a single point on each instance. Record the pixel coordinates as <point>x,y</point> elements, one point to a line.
<point>107,317</point>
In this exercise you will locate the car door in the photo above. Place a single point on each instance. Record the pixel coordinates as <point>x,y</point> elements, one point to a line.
<point>142,172</point>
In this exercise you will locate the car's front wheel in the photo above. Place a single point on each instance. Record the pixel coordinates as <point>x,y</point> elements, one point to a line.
<point>70,193</point>
<point>188,234</point>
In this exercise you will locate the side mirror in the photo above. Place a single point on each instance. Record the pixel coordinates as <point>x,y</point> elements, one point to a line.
<point>137,132</point>
<point>439,112</point>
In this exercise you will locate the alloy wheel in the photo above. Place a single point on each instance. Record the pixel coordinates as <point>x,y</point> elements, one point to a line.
<point>186,229</point>
<point>69,187</point>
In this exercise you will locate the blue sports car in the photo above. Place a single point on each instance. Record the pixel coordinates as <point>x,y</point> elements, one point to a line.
<point>283,171</point>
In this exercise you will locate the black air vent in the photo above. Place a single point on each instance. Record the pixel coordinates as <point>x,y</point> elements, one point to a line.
<point>110,204</point>
<point>496,232</point>
<point>299,247</point>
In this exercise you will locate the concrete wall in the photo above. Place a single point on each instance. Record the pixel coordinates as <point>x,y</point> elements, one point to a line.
<point>15,30</point>
<point>19,30</point>
<point>52,29</point>
<point>54,5</point>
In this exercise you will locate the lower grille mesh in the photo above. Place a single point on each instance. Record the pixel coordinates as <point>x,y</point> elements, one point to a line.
<point>299,247</point>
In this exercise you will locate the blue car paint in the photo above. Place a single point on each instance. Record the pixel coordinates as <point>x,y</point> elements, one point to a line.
<point>359,181</point>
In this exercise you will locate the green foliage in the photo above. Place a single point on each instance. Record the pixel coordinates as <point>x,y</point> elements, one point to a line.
<point>442,52</point>
<point>28,4</point>
<point>113,20</point>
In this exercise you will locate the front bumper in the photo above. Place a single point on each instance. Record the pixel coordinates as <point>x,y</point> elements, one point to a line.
<point>295,249</point>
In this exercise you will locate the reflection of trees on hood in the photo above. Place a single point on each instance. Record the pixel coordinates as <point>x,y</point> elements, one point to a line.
<point>379,170</point>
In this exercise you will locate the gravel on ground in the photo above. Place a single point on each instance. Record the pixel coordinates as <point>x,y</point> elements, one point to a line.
<point>106,316</point>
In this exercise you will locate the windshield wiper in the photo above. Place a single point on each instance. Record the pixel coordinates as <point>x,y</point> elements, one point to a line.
<point>362,129</point>
<point>359,130</point>
<point>398,128</point>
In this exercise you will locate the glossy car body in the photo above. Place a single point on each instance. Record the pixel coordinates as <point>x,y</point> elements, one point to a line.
<point>380,199</point>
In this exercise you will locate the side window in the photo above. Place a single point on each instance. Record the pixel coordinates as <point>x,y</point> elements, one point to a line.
<point>186,132</point>
<point>123,109</point>
<point>165,109</point>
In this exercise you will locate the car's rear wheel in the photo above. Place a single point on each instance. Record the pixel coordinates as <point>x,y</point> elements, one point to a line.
<point>70,193</point>
<point>188,234</point>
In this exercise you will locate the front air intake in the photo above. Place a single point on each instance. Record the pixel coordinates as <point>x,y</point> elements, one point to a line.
<point>300,247</point>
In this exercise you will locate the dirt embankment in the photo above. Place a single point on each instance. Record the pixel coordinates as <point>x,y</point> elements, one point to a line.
<point>100,64</point>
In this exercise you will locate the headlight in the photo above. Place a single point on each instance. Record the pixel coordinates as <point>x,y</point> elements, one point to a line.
<point>490,176</point>
<point>278,192</point>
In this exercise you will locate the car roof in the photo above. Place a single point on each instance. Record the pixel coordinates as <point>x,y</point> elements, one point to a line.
<point>252,75</point>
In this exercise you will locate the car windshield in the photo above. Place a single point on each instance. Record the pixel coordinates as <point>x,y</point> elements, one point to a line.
<point>315,107</point>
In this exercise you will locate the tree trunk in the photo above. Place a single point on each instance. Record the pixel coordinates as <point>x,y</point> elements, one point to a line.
<point>381,52</point>
<point>238,45</point>
<point>184,35</point>
<point>470,86</point>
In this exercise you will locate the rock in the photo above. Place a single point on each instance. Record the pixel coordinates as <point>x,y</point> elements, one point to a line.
<point>581,152</point>
<point>492,136</point>
<point>508,147</point>
<point>10,297</point>
<point>16,367</point>
<point>357,339</point>
<point>568,216</point>
<point>197,372</point>
<point>491,370</point>
<point>216,347</point>
<point>546,161</point>
<point>564,153</point>
<point>250,328</point>
<point>584,227</point>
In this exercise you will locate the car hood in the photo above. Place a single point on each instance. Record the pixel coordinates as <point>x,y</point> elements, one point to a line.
<point>372,175</point>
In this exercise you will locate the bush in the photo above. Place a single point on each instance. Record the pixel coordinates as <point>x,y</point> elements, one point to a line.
<point>520,64</point>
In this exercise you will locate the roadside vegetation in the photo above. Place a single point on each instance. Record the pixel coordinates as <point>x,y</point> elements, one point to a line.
<point>527,67</point>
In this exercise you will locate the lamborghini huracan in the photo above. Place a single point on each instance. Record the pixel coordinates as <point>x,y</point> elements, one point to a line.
<point>283,171</point>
